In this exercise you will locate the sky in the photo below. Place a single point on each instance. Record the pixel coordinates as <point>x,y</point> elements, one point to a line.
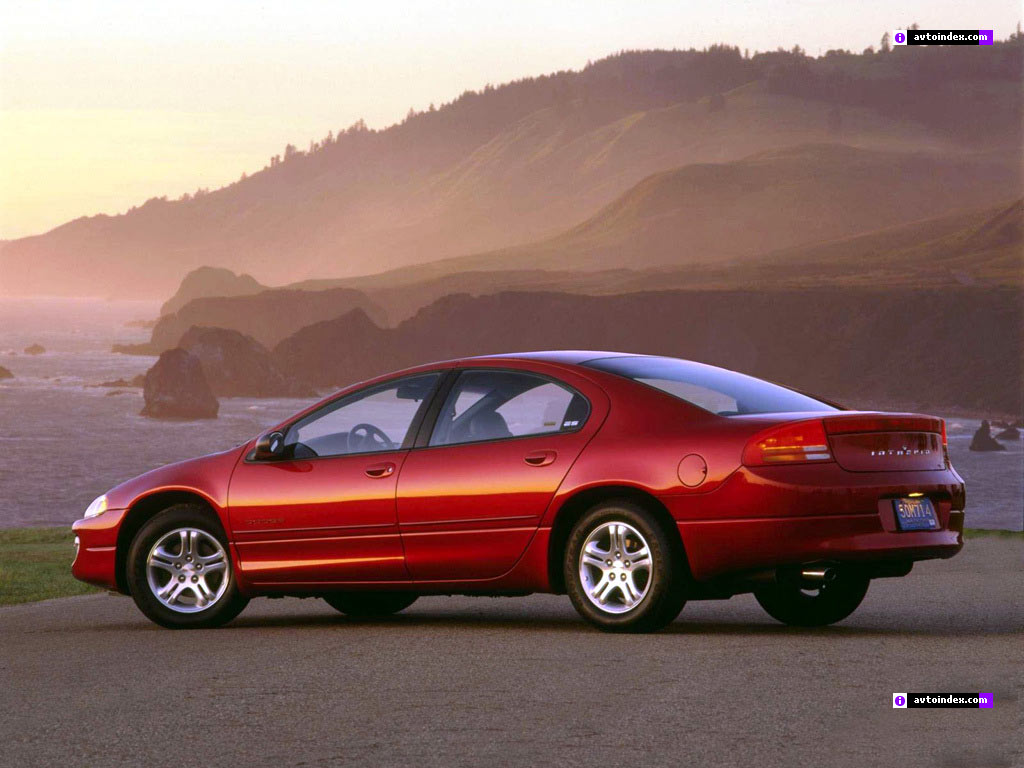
<point>106,104</point>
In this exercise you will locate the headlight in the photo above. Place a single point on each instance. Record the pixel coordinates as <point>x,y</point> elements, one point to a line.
<point>98,507</point>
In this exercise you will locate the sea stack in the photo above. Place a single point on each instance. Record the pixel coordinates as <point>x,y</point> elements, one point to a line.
<point>1009,433</point>
<point>176,388</point>
<point>983,440</point>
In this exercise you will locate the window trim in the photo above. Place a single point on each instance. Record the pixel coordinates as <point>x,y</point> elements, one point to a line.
<point>441,395</point>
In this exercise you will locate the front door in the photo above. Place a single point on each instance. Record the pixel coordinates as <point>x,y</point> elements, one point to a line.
<point>470,501</point>
<point>325,511</point>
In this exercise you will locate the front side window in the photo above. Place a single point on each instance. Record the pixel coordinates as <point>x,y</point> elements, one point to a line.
<point>717,390</point>
<point>494,405</point>
<point>375,419</point>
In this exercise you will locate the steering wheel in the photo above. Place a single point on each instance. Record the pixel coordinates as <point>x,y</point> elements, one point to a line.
<point>366,437</point>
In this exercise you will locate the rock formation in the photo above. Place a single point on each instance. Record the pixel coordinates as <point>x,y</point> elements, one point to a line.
<point>176,388</point>
<point>236,365</point>
<point>983,440</point>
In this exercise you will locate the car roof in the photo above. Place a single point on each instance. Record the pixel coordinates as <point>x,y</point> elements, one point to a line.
<point>564,356</point>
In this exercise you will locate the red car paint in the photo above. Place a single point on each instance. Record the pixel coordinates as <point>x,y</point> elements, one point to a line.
<point>491,516</point>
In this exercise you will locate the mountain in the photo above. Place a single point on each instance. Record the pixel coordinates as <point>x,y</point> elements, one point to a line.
<point>976,247</point>
<point>267,317</point>
<point>519,162</point>
<point>917,348</point>
<point>210,281</point>
<point>710,213</point>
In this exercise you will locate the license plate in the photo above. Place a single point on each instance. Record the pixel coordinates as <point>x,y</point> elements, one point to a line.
<point>915,514</point>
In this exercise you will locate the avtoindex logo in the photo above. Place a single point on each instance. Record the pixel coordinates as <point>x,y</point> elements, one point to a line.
<point>943,37</point>
<point>955,700</point>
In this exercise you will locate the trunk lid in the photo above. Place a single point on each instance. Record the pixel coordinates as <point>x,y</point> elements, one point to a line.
<point>886,442</point>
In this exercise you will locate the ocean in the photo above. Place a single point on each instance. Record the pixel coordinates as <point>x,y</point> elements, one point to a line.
<point>64,440</point>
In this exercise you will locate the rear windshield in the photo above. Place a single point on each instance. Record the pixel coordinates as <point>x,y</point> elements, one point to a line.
<point>718,390</point>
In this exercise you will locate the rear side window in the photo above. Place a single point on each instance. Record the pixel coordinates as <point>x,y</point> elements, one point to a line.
<point>497,404</point>
<point>717,390</point>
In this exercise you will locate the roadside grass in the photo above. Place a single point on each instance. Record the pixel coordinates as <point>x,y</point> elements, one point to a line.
<point>35,564</point>
<point>979,533</point>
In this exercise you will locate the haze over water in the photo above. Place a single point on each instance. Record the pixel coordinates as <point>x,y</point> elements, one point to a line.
<point>65,440</point>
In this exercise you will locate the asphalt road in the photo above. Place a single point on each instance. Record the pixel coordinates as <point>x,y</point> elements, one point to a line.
<point>490,681</point>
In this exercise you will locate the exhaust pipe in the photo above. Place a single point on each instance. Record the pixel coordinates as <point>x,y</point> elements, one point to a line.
<point>815,574</point>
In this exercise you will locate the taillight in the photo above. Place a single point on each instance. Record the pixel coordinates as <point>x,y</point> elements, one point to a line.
<point>799,442</point>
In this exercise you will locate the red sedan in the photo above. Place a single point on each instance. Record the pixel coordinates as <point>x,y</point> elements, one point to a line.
<point>633,483</point>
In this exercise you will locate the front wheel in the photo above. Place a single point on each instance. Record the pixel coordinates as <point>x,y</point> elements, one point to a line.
<point>370,604</point>
<point>800,604</point>
<point>622,572</point>
<point>179,571</point>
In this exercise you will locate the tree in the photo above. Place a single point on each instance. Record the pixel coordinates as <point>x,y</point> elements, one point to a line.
<point>884,46</point>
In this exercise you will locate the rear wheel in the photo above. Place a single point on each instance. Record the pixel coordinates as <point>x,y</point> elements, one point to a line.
<point>799,603</point>
<point>179,571</point>
<point>370,604</point>
<point>621,571</point>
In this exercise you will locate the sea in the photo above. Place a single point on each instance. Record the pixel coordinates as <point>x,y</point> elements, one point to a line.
<point>64,439</point>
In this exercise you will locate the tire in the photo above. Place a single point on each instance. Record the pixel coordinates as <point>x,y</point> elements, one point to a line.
<point>641,590</point>
<point>166,576</point>
<point>792,603</point>
<point>365,605</point>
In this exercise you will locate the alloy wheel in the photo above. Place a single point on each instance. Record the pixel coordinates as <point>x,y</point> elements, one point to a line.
<point>187,570</point>
<point>615,567</point>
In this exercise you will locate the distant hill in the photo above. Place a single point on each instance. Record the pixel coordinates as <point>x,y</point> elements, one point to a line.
<point>977,247</point>
<point>705,213</point>
<point>517,163</point>
<point>210,281</point>
<point>267,317</point>
<point>921,349</point>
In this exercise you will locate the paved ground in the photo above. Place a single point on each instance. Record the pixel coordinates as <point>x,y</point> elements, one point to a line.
<point>461,681</point>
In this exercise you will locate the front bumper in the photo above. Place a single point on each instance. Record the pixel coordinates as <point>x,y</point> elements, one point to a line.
<point>96,559</point>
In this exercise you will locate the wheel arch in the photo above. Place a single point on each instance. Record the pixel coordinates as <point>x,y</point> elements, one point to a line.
<point>141,511</point>
<point>574,507</point>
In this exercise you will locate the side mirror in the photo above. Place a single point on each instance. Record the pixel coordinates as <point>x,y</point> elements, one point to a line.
<point>270,446</point>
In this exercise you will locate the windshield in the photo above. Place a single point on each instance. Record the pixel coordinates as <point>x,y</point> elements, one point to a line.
<point>717,390</point>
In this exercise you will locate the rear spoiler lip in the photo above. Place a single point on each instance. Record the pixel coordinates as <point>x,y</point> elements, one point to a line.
<point>849,423</point>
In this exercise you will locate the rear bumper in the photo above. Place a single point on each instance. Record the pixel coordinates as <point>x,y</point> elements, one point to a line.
<point>96,561</point>
<point>811,514</point>
<point>715,548</point>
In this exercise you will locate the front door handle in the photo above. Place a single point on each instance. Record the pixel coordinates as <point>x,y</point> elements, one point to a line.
<point>540,458</point>
<point>380,470</point>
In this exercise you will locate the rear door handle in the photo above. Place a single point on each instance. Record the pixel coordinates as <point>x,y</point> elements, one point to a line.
<point>380,470</point>
<point>540,458</point>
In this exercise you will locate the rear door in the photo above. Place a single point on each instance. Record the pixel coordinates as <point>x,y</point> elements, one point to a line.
<point>471,498</point>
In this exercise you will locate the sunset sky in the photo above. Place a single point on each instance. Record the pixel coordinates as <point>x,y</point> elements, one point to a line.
<point>103,105</point>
